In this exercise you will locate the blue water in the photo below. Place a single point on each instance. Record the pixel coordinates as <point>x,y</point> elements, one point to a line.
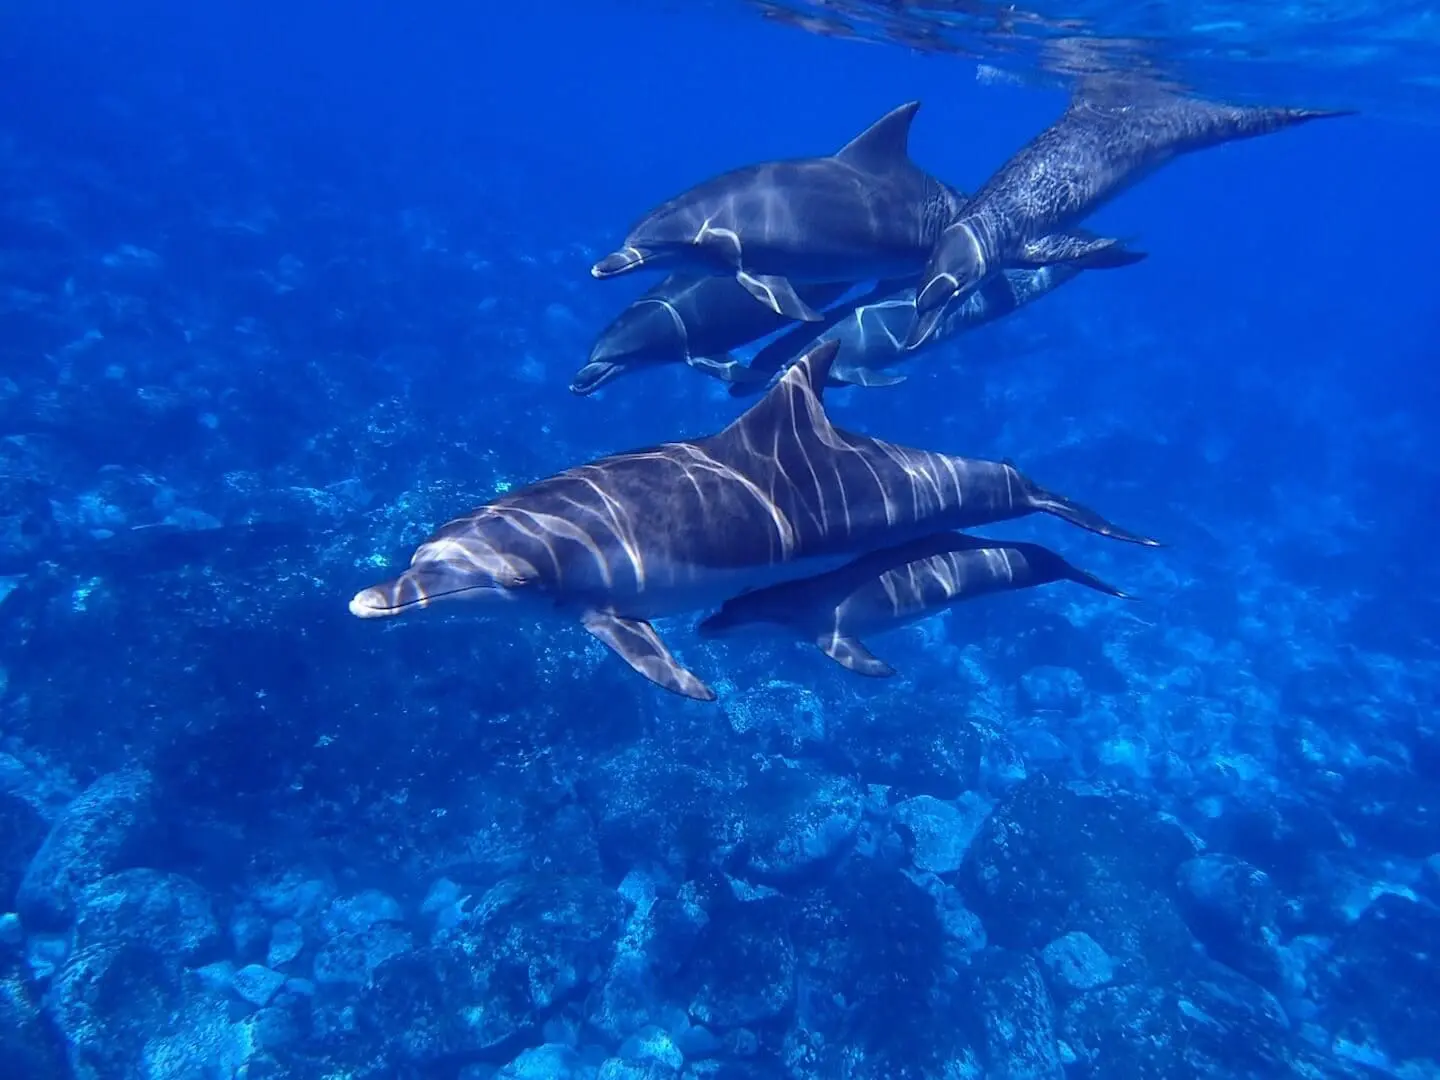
<point>284,288</point>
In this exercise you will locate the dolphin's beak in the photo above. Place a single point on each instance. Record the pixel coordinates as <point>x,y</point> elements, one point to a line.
<point>419,587</point>
<point>619,262</point>
<point>593,376</point>
<point>930,305</point>
<point>375,602</point>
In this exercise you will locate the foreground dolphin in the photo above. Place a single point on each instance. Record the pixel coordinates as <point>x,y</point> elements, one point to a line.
<point>891,588</point>
<point>1104,143</point>
<point>866,212</point>
<point>872,336</point>
<point>689,319</point>
<point>779,494</point>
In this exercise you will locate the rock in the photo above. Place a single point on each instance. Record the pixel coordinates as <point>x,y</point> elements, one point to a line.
<point>353,956</point>
<point>1231,908</point>
<point>872,957</point>
<point>1384,988</point>
<point>547,1062</point>
<point>12,935</point>
<point>743,971</point>
<point>358,913</point>
<point>22,831</point>
<point>103,830</point>
<point>535,942</point>
<point>1051,859</point>
<point>796,821</point>
<point>287,941</point>
<point>1209,1024</point>
<point>1076,963</point>
<point>1016,1017</point>
<point>915,753</point>
<point>109,1000</point>
<point>1052,689</point>
<point>257,984</point>
<point>942,832</point>
<point>165,911</point>
<point>659,812</point>
<point>653,1045</point>
<point>29,1045</point>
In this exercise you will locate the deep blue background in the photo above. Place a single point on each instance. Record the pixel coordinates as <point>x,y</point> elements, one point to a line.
<point>355,287</point>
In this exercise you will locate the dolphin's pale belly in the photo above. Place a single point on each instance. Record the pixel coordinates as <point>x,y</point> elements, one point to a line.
<point>677,588</point>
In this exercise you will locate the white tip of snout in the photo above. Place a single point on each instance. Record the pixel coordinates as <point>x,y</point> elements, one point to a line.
<point>368,604</point>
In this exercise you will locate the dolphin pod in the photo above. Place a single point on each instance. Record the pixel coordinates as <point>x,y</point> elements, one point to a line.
<point>837,269</point>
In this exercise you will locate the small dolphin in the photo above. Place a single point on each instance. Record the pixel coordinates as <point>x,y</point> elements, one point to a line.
<point>891,588</point>
<point>872,336</point>
<point>779,494</point>
<point>866,211</point>
<point>689,319</point>
<point>1106,141</point>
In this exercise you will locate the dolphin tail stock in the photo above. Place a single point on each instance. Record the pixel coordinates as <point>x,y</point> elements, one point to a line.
<point>1090,581</point>
<point>1082,252</point>
<point>1048,502</point>
<point>636,642</point>
<point>849,652</point>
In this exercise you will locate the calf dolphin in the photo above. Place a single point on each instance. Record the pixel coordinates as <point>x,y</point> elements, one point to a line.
<point>779,494</point>
<point>865,212</point>
<point>1107,140</point>
<point>872,336</point>
<point>689,319</point>
<point>890,588</point>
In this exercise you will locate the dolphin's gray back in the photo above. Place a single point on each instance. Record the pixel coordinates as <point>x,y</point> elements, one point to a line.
<point>809,214</point>
<point>833,492</point>
<point>1099,147</point>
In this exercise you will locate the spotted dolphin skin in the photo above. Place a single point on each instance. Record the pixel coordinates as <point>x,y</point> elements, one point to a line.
<point>1107,140</point>
<point>872,336</point>
<point>866,211</point>
<point>689,319</point>
<point>891,588</point>
<point>779,494</point>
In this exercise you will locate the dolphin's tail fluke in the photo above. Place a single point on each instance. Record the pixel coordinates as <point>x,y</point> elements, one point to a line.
<point>1050,503</point>
<point>1090,581</point>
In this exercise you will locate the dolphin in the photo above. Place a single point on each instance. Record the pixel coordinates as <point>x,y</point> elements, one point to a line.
<point>890,588</point>
<point>1106,141</point>
<point>780,493</point>
<point>872,336</point>
<point>689,319</point>
<point>865,212</point>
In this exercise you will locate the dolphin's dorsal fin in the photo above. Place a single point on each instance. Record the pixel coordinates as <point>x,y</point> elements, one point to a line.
<point>884,144</point>
<point>793,403</point>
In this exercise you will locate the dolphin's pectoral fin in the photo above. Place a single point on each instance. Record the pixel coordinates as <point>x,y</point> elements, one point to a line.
<point>639,646</point>
<point>1086,252</point>
<point>849,652</point>
<point>864,376</point>
<point>778,295</point>
<point>727,369</point>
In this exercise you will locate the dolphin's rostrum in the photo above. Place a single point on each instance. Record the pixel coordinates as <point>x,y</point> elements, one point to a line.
<point>779,494</point>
